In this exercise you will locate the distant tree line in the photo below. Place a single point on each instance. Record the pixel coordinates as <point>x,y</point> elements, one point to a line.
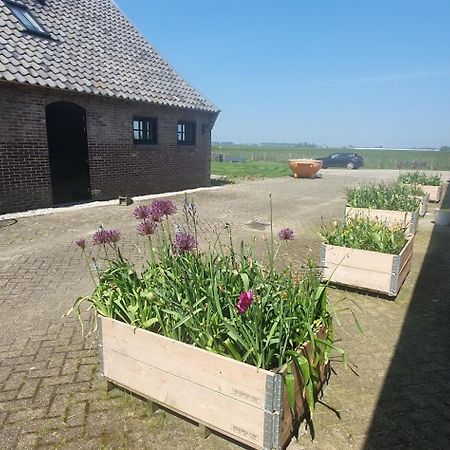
<point>270,144</point>
<point>445,148</point>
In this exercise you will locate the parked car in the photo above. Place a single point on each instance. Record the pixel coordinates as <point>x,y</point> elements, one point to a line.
<point>349,160</point>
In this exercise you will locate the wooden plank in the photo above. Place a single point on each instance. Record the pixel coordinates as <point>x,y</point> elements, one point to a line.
<point>288,424</point>
<point>404,273</point>
<point>390,217</point>
<point>213,409</point>
<point>406,252</point>
<point>434,193</point>
<point>358,278</point>
<point>362,259</point>
<point>288,421</point>
<point>237,380</point>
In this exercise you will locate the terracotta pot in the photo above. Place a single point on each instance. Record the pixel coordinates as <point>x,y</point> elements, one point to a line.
<point>305,168</point>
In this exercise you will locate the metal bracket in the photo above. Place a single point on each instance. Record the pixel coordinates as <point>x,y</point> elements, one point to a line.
<point>394,276</point>
<point>100,347</point>
<point>322,256</point>
<point>273,413</point>
<point>414,222</point>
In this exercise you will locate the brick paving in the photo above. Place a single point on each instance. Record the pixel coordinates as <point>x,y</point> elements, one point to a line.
<point>50,393</point>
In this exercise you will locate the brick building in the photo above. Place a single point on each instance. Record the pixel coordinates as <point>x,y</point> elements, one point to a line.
<point>89,109</point>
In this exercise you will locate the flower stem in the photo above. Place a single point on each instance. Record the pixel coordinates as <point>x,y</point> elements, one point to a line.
<point>168,229</point>
<point>150,249</point>
<point>271,234</point>
<point>89,268</point>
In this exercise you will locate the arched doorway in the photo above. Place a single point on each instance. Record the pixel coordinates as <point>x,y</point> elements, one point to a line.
<point>68,152</point>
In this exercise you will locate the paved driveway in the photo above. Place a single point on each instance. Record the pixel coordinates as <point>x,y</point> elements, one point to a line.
<point>50,395</point>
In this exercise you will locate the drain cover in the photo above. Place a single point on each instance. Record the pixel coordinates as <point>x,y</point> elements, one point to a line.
<point>7,222</point>
<point>255,225</point>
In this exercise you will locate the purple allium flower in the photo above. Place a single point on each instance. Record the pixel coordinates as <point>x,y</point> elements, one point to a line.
<point>184,242</point>
<point>245,300</point>
<point>163,208</point>
<point>147,227</point>
<point>286,234</point>
<point>103,237</point>
<point>81,242</point>
<point>142,212</point>
<point>155,213</point>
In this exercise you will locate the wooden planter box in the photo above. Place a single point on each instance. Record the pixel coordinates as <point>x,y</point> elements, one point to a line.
<point>363,269</point>
<point>238,400</point>
<point>434,192</point>
<point>389,217</point>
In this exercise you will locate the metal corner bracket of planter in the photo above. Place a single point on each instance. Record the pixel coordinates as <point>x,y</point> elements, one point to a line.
<point>423,208</point>
<point>235,399</point>
<point>390,217</point>
<point>364,269</point>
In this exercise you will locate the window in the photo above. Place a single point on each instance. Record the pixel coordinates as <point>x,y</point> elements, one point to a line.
<point>186,132</point>
<point>144,130</point>
<point>26,18</point>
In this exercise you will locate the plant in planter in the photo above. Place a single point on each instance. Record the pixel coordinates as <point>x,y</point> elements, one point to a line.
<point>431,184</point>
<point>415,191</point>
<point>393,204</point>
<point>215,335</point>
<point>363,253</point>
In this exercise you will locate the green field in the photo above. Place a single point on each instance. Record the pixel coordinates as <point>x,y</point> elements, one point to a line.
<point>250,169</point>
<point>272,162</point>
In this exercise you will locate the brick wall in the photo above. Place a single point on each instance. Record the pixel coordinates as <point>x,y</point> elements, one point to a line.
<point>117,165</point>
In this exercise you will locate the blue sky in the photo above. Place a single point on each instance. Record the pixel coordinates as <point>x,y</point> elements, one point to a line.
<point>331,72</point>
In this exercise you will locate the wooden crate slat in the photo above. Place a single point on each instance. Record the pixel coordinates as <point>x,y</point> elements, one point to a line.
<point>225,375</point>
<point>406,253</point>
<point>288,421</point>
<point>434,192</point>
<point>390,217</point>
<point>358,278</point>
<point>363,259</point>
<point>215,410</point>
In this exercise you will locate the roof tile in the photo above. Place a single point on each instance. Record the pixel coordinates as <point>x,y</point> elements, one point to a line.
<point>93,49</point>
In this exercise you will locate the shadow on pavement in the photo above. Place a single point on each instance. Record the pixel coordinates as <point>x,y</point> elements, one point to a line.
<point>413,410</point>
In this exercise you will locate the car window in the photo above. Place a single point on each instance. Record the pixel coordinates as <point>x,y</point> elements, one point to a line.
<point>334,155</point>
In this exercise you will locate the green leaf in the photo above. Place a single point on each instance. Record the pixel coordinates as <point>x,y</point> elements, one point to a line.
<point>148,323</point>
<point>232,349</point>
<point>303,365</point>
<point>289,380</point>
<point>245,281</point>
<point>310,397</point>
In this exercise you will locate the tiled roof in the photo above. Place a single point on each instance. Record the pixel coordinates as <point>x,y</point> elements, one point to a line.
<point>93,49</point>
